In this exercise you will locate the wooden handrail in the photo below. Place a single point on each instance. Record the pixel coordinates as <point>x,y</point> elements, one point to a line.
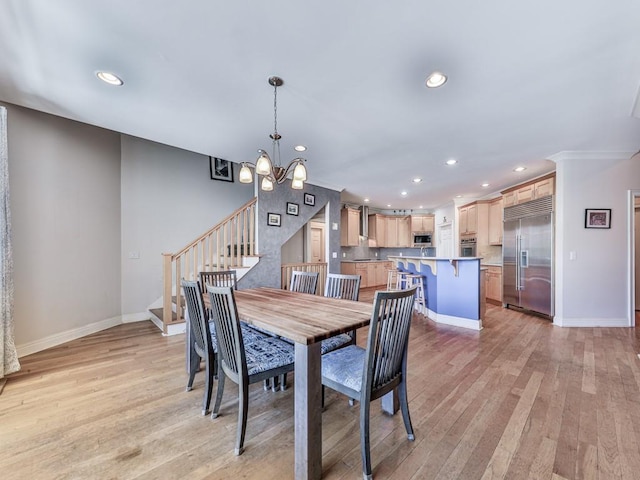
<point>220,248</point>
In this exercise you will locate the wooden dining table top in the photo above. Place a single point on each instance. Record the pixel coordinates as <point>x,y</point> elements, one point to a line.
<point>300,317</point>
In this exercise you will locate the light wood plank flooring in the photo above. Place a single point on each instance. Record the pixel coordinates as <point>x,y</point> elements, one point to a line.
<point>520,399</point>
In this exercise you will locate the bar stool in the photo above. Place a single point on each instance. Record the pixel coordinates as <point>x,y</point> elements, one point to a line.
<point>415,279</point>
<point>392,278</point>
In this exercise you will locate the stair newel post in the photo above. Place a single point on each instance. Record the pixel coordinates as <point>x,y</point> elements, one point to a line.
<point>167,259</point>
<point>179,315</point>
<point>241,251</point>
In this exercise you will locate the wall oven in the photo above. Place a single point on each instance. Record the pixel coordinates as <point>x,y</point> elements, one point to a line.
<point>422,239</point>
<point>467,246</point>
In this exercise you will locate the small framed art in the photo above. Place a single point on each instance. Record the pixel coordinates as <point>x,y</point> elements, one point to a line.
<point>309,199</point>
<point>221,169</point>
<point>292,208</point>
<point>597,218</point>
<point>274,219</point>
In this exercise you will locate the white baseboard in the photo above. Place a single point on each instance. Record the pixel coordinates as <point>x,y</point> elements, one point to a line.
<point>591,322</point>
<point>136,317</point>
<point>63,337</point>
<point>454,321</point>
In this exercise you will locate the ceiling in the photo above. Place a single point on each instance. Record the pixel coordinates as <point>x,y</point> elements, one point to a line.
<point>526,80</point>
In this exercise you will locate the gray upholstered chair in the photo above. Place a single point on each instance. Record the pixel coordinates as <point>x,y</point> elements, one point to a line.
<point>304,282</point>
<point>366,375</point>
<point>221,278</point>
<point>203,339</point>
<point>244,363</point>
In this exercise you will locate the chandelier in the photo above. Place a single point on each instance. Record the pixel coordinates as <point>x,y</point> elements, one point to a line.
<point>274,173</point>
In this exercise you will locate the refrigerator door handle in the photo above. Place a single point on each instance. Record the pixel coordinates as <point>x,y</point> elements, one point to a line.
<point>517,262</point>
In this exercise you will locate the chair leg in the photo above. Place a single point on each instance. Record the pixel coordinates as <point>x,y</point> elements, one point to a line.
<point>365,446</point>
<point>208,385</point>
<point>193,369</point>
<point>404,406</point>
<point>216,406</point>
<point>243,410</point>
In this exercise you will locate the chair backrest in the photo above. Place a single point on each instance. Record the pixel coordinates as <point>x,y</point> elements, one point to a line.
<point>224,314</point>
<point>342,286</point>
<point>198,321</point>
<point>221,278</point>
<point>388,341</point>
<point>304,282</point>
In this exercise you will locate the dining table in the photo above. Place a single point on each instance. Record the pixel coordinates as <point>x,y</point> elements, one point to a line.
<point>306,320</point>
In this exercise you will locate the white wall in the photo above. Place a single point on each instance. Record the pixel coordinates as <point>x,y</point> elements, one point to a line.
<point>168,200</point>
<point>594,288</point>
<point>64,180</point>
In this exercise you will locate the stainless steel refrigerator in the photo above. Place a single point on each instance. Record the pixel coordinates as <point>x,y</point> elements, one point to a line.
<point>527,255</point>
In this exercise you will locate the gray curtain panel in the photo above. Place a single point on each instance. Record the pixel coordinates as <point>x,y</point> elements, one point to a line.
<point>8,354</point>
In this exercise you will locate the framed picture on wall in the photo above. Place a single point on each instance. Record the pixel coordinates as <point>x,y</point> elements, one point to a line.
<point>309,199</point>
<point>274,219</point>
<point>221,169</point>
<point>597,218</point>
<point>292,208</point>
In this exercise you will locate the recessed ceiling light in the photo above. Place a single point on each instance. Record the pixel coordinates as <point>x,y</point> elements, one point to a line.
<point>403,193</point>
<point>458,196</point>
<point>417,180</point>
<point>388,205</point>
<point>451,161</point>
<point>366,199</point>
<point>435,80</point>
<point>420,206</point>
<point>109,78</point>
<point>519,169</point>
<point>300,148</point>
<point>485,185</point>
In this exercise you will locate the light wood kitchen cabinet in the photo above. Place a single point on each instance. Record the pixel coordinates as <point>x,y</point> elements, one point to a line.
<point>377,230</point>
<point>468,218</point>
<point>398,232</point>
<point>495,222</point>
<point>525,192</point>
<point>372,274</point>
<point>349,227</point>
<point>493,280</point>
<point>423,223</point>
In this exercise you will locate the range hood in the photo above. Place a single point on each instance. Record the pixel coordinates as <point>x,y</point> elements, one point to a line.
<point>364,221</point>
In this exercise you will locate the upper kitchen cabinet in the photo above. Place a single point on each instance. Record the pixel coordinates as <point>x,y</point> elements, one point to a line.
<point>541,187</point>
<point>398,232</point>
<point>468,218</point>
<point>495,221</point>
<point>423,223</point>
<point>349,227</point>
<point>377,230</point>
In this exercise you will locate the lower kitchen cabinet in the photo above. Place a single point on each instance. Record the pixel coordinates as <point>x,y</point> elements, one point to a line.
<point>372,274</point>
<point>493,279</point>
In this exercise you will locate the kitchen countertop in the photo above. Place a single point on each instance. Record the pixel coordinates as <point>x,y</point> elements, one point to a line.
<point>368,260</point>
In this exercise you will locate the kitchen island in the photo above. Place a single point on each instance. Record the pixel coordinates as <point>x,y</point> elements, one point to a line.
<point>454,288</point>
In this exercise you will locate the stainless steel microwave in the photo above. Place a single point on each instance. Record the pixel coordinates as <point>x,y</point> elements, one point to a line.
<point>422,239</point>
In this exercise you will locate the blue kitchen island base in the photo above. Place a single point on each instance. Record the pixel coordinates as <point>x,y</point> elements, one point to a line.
<point>454,290</point>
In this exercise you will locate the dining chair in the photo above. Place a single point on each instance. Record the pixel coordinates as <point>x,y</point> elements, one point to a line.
<point>220,278</point>
<point>243,363</point>
<point>304,282</point>
<point>341,286</point>
<point>368,374</point>
<point>204,340</point>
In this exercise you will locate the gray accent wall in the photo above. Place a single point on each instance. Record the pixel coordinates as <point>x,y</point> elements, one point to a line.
<point>271,239</point>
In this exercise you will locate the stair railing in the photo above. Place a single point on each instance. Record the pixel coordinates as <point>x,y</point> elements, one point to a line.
<point>219,248</point>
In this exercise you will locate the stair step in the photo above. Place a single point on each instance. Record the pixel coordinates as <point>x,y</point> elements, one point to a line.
<point>159,313</point>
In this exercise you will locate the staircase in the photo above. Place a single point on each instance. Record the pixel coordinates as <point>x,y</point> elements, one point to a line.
<point>229,245</point>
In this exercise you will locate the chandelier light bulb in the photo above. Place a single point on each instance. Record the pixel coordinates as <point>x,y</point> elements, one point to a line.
<point>245,175</point>
<point>300,172</point>
<point>297,184</point>
<point>263,165</point>
<point>267,185</point>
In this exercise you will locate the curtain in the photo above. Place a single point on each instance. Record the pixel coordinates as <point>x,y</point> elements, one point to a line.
<point>8,354</point>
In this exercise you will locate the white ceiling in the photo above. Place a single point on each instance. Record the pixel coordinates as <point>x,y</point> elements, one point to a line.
<point>526,80</point>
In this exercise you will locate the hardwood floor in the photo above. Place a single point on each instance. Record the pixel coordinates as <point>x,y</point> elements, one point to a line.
<point>520,399</point>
